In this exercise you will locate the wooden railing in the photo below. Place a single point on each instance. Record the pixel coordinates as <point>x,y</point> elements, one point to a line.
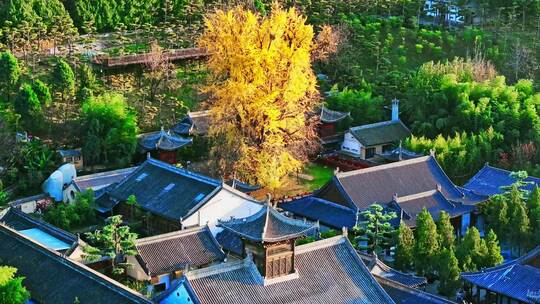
<point>170,55</point>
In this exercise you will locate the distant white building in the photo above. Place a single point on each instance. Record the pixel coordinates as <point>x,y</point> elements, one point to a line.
<point>366,141</point>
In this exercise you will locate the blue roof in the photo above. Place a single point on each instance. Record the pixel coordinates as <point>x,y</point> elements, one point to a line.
<point>180,293</point>
<point>326,212</point>
<point>45,239</point>
<point>516,279</point>
<point>489,180</point>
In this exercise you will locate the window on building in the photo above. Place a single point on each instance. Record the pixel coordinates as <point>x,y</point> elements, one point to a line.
<point>370,152</point>
<point>387,148</point>
<point>160,287</point>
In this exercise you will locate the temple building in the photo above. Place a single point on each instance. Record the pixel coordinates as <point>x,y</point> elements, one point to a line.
<point>328,128</point>
<point>173,198</point>
<point>366,141</point>
<point>491,180</point>
<point>274,270</point>
<point>163,259</point>
<point>517,281</point>
<point>164,143</point>
<point>405,187</point>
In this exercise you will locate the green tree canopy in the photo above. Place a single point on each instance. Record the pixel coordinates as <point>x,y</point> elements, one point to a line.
<point>448,270</point>
<point>11,289</point>
<point>110,130</point>
<point>427,245</point>
<point>405,243</point>
<point>28,106</point>
<point>376,228</point>
<point>9,74</point>
<point>114,241</point>
<point>445,230</point>
<point>471,251</point>
<point>493,255</point>
<point>63,79</point>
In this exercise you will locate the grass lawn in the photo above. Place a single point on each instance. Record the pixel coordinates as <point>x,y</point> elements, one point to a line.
<point>321,175</point>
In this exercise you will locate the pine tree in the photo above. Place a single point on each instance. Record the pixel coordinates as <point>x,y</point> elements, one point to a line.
<point>404,258</point>
<point>445,231</point>
<point>9,74</point>
<point>493,255</point>
<point>28,106</point>
<point>448,270</point>
<point>114,241</point>
<point>427,246</point>
<point>376,228</point>
<point>42,91</point>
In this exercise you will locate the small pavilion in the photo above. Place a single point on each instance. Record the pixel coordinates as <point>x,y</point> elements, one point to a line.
<point>165,143</point>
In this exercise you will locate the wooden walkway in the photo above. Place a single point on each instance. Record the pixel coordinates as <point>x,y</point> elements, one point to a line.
<point>136,59</point>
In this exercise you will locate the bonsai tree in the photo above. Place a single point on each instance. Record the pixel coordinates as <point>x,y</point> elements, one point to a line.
<point>376,229</point>
<point>114,241</point>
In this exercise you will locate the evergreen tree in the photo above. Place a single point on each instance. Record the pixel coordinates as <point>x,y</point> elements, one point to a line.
<point>64,82</point>
<point>376,228</point>
<point>497,216</point>
<point>427,246</point>
<point>42,92</point>
<point>28,106</point>
<point>471,250</point>
<point>404,258</point>
<point>493,255</point>
<point>9,74</point>
<point>448,270</point>
<point>519,224</point>
<point>445,230</point>
<point>114,241</point>
<point>533,206</point>
<point>11,289</point>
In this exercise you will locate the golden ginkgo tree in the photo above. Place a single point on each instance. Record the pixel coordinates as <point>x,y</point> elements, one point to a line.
<point>262,93</point>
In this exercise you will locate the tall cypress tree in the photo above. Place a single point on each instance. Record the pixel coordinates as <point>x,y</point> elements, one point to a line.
<point>471,250</point>
<point>448,270</point>
<point>404,248</point>
<point>533,206</point>
<point>427,246</point>
<point>493,255</point>
<point>445,231</point>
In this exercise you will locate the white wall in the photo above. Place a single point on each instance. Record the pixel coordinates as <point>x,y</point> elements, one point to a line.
<point>351,144</point>
<point>136,271</point>
<point>222,206</point>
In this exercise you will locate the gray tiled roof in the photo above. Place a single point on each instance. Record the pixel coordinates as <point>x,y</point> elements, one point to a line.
<point>19,220</point>
<point>53,278</point>
<point>517,279</point>
<point>434,201</point>
<point>328,271</point>
<point>268,225</point>
<point>165,253</point>
<point>380,269</point>
<point>378,184</point>
<point>166,190</point>
<point>380,133</point>
<point>195,123</point>
<point>102,179</point>
<point>403,294</point>
<point>331,116</point>
<point>163,140</point>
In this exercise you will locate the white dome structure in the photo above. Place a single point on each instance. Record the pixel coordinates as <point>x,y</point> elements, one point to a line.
<point>54,185</point>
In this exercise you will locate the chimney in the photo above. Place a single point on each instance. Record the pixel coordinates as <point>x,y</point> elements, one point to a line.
<point>395,109</point>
